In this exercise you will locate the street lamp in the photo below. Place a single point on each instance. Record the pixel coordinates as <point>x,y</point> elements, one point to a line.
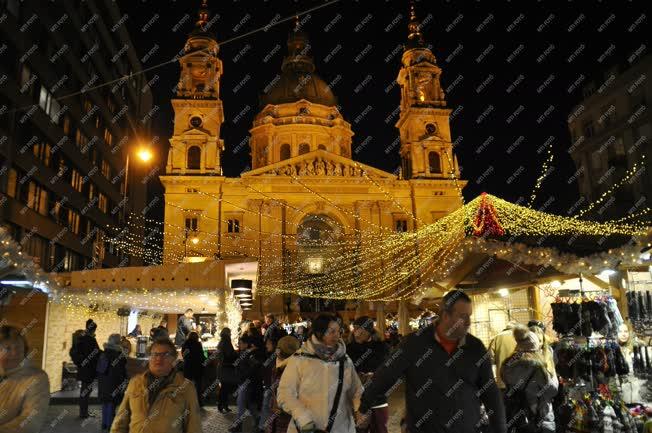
<point>144,155</point>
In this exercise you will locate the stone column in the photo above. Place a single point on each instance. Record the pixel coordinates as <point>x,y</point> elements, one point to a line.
<point>380,317</point>
<point>403,318</point>
<point>220,314</point>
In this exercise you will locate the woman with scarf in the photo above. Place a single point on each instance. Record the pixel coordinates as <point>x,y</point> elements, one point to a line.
<point>311,391</point>
<point>530,387</point>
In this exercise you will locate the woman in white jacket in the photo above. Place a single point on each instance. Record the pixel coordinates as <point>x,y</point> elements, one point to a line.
<point>309,384</point>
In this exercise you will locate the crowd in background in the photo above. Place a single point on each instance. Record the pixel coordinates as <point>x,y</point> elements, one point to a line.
<point>326,376</point>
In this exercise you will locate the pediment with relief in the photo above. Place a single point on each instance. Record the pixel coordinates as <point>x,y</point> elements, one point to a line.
<point>319,163</point>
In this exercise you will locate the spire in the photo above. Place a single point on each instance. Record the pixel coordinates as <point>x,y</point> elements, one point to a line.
<point>203,15</point>
<point>415,38</point>
<point>202,21</point>
<point>298,57</point>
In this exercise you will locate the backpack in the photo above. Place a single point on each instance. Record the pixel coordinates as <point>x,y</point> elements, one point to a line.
<point>520,418</point>
<point>102,365</point>
<point>76,356</point>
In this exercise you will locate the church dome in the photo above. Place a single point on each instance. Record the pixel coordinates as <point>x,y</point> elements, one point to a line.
<point>298,79</point>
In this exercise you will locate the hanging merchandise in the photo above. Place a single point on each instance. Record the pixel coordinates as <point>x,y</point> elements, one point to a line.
<point>587,316</point>
<point>600,360</point>
<point>582,411</point>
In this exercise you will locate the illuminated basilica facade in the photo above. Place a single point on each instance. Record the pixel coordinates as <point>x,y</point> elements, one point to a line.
<point>304,193</point>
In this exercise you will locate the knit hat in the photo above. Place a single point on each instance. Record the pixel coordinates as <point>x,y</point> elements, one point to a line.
<point>526,340</point>
<point>365,322</point>
<point>287,346</point>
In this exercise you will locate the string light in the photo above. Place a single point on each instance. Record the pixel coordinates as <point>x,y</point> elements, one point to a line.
<point>544,174</point>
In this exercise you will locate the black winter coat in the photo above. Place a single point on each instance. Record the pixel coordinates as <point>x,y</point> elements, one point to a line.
<point>85,354</point>
<point>443,392</point>
<point>275,332</point>
<point>367,357</point>
<point>226,356</point>
<point>249,368</point>
<point>112,383</point>
<point>193,359</point>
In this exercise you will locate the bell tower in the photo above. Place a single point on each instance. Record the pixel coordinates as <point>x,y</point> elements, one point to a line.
<point>196,147</point>
<point>426,148</point>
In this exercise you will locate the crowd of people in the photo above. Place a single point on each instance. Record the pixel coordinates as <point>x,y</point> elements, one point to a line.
<point>332,377</point>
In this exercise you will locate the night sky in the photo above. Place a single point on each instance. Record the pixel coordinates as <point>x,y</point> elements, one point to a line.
<point>509,72</point>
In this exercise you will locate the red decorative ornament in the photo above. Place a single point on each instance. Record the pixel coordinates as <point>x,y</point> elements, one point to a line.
<point>486,222</point>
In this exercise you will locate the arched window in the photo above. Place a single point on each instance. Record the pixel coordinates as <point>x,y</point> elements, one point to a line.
<point>434,162</point>
<point>194,158</point>
<point>285,151</point>
<point>304,148</point>
<point>322,147</point>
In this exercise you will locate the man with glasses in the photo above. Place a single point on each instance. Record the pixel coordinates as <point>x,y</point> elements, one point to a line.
<point>160,400</point>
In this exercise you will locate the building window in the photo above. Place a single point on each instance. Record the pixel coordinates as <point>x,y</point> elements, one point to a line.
<point>77,180</point>
<point>103,203</point>
<point>106,169</point>
<point>401,226</point>
<point>285,151</point>
<point>37,198</point>
<point>42,151</point>
<point>49,104</point>
<point>434,162</point>
<point>304,148</point>
<point>73,221</point>
<point>233,226</point>
<point>25,79</point>
<point>66,125</point>
<point>322,147</point>
<point>619,147</point>
<point>588,128</point>
<point>194,158</point>
<point>191,224</point>
<point>80,138</point>
<point>12,182</point>
<point>108,137</point>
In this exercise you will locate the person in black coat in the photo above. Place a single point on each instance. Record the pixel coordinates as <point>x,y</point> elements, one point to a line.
<point>273,329</point>
<point>84,353</point>
<point>226,373</point>
<point>185,325</point>
<point>249,371</point>
<point>111,378</point>
<point>368,352</point>
<point>448,375</point>
<point>193,362</point>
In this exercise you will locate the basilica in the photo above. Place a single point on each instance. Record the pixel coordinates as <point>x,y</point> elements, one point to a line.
<point>305,195</point>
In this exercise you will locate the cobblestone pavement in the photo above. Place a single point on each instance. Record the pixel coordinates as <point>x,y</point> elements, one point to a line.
<point>63,419</point>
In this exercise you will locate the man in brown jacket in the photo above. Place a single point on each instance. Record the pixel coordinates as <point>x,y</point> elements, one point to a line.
<point>160,400</point>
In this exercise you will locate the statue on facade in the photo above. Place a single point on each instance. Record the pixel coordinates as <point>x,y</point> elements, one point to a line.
<point>321,169</point>
<point>311,168</point>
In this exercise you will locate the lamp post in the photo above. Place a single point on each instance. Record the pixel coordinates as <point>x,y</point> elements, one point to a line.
<point>144,155</point>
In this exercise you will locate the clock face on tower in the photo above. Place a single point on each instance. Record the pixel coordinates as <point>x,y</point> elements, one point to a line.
<point>195,121</point>
<point>431,128</point>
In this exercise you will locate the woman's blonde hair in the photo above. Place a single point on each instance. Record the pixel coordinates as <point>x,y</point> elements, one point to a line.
<point>12,333</point>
